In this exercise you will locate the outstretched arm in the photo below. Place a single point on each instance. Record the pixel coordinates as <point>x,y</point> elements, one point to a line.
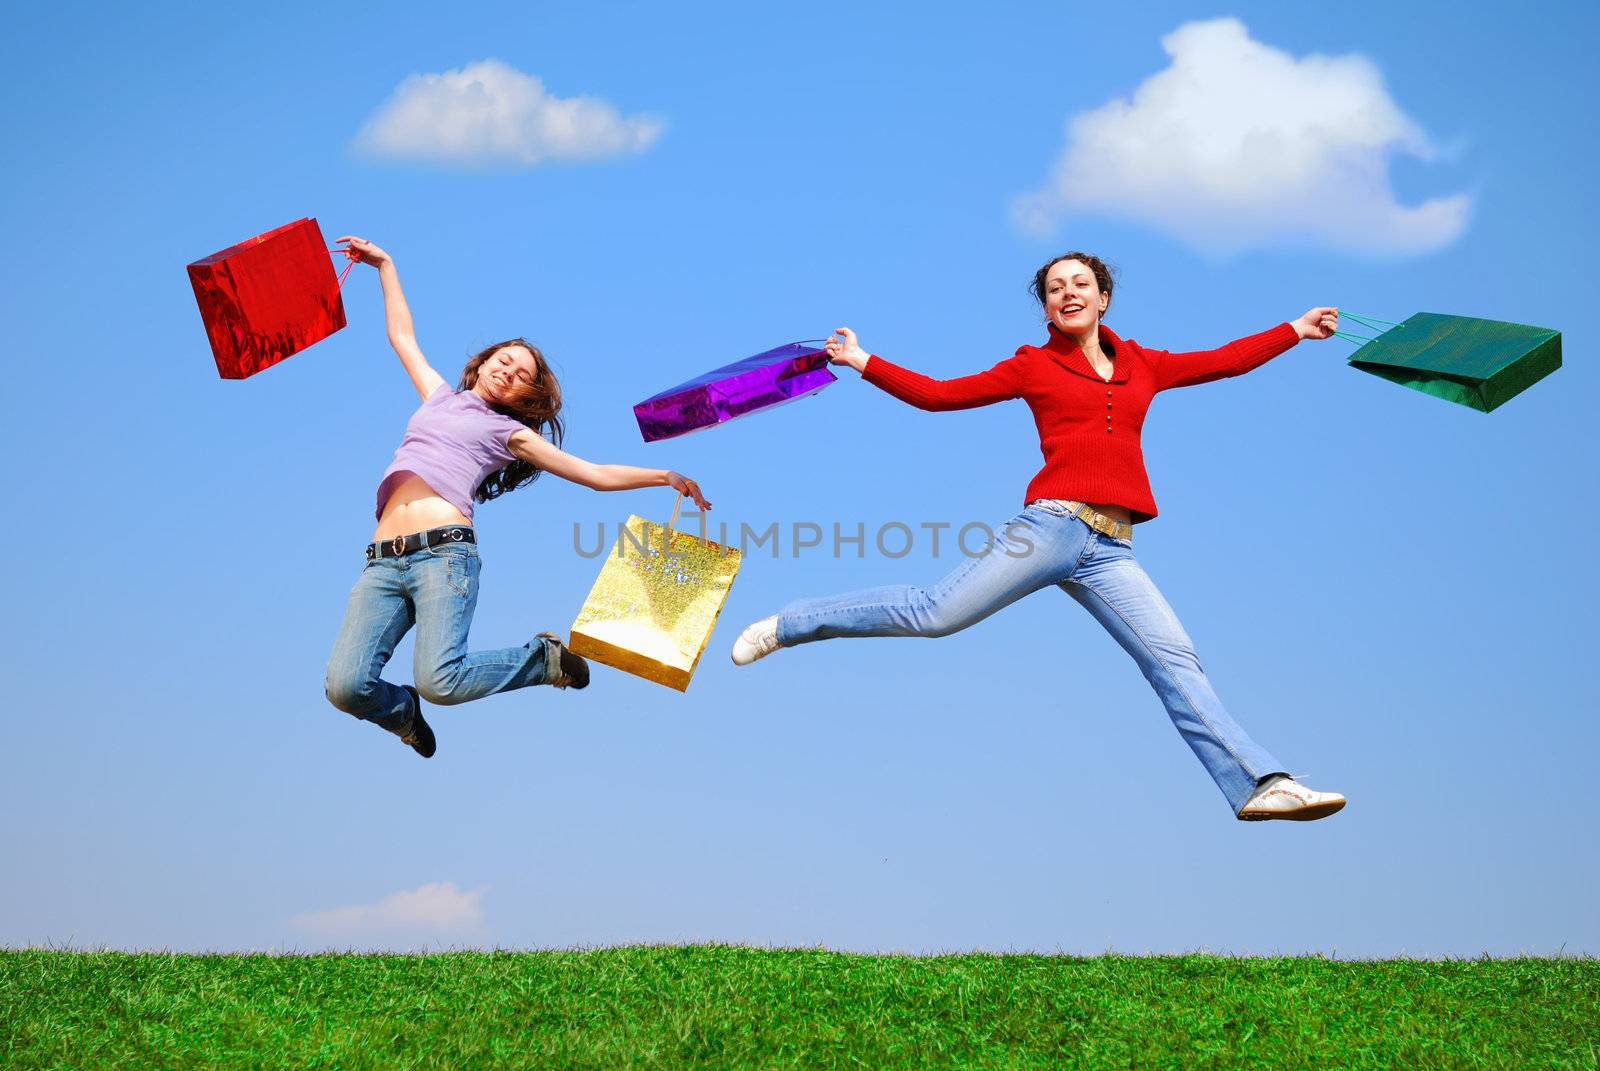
<point>541,453</point>
<point>935,395</point>
<point>396,315</point>
<point>1240,355</point>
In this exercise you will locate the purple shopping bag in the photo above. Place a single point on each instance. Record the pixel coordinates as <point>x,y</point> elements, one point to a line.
<point>760,382</point>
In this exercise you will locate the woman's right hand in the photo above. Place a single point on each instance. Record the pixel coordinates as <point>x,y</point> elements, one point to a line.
<point>363,251</point>
<point>845,350</point>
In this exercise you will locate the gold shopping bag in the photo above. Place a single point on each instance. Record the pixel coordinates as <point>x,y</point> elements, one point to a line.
<point>657,597</point>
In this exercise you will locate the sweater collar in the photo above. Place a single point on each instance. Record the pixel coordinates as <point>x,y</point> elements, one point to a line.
<point>1069,355</point>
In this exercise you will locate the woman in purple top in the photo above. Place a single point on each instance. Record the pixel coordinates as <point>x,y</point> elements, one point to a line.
<point>496,432</point>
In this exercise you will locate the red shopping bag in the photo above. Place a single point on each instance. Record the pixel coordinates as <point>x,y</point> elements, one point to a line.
<point>267,298</point>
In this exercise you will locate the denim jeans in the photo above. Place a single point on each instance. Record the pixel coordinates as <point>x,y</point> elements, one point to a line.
<point>1044,545</point>
<point>435,589</point>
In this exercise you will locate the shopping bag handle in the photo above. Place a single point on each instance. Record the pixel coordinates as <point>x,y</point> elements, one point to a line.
<point>677,504</point>
<point>1371,323</point>
<point>672,525</point>
<point>346,273</point>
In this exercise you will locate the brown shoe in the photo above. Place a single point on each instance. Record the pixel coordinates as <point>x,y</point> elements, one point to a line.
<point>574,671</point>
<point>418,734</point>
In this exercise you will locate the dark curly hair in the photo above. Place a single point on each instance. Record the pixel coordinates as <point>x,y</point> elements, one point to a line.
<point>1102,274</point>
<point>538,406</point>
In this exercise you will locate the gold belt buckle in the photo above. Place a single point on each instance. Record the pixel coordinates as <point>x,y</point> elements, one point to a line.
<point>1098,521</point>
<point>397,545</point>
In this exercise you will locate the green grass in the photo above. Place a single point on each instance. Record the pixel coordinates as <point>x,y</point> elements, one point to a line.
<point>737,1007</point>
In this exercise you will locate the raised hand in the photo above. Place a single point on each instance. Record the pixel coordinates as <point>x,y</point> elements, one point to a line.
<point>1320,322</point>
<point>845,349</point>
<point>363,252</point>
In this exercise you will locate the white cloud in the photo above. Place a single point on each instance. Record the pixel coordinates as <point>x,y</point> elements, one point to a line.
<point>489,113</point>
<point>435,910</point>
<point>1239,145</point>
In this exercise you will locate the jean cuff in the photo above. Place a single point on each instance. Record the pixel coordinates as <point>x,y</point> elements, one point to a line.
<point>552,657</point>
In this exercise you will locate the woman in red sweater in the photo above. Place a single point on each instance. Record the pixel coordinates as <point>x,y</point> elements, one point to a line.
<point>1089,391</point>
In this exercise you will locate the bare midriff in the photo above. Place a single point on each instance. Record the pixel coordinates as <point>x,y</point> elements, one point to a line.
<point>413,506</point>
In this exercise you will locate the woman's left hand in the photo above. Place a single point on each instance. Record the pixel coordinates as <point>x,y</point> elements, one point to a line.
<point>1320,322</point>
<point>685,486</point>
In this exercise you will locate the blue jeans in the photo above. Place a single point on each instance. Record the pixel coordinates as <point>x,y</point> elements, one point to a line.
<point>435,589</point>
<point>1044,545</point>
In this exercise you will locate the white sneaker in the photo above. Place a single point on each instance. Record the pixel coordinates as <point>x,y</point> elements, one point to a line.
<point>757,641</point>
<point>1284,797</point>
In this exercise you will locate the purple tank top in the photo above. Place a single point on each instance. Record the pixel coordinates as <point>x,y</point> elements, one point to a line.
<point>452,442</point>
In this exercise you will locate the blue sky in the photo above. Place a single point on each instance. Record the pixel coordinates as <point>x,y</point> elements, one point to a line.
<point>1392,593</point>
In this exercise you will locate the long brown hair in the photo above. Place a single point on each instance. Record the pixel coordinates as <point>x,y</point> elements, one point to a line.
<point>537,406</point>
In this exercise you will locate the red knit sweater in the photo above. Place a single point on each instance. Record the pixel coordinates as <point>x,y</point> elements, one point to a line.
<point>1088,427</point>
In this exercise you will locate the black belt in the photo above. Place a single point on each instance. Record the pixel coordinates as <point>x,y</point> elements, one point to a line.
<point>406,544</point>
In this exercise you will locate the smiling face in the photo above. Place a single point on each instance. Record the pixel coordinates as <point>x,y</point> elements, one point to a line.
<point>507,375</point>
<point>1073,300</point>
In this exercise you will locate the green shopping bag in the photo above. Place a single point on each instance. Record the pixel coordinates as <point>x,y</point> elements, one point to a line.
<point>1478,363</point>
